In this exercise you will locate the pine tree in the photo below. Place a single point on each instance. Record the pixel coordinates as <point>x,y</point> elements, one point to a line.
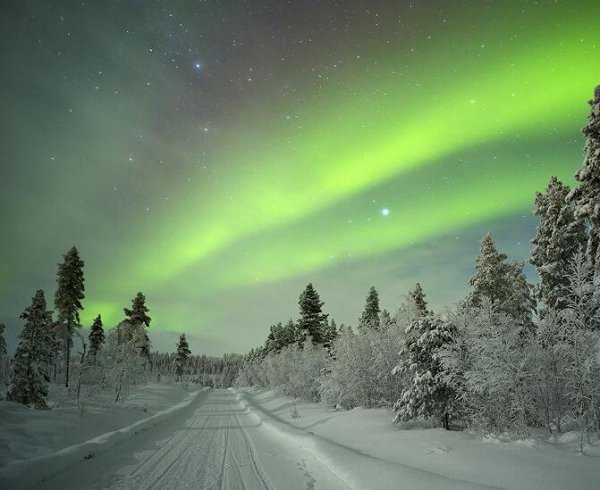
<point>138,320</point>
<point>490,280</point>
<point>370,315</point>
<point>290,333</point>
<point>587,195</point>
<point>520,303</point>
<point>330,333</point>
<point>67,300</point>
<point>29,371</point>
<point>428,393</point>
<point>183,353</point>
<point>559,236</point>
<point>96,337</point>
<point>417,297</point>
<point>312,319</point>
<point>503,284</point>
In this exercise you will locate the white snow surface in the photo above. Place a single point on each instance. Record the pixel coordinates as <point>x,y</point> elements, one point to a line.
<point>248,439</point>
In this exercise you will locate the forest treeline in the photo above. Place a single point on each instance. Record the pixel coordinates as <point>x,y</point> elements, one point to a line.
<point>112,360</point>
<point>510,356</point>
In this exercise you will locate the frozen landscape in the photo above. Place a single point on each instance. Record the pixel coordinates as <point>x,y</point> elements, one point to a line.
<point>300,245</point>
<point>252,439</point>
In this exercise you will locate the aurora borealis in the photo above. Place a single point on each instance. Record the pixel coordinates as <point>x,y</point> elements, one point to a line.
<point>220,155</point>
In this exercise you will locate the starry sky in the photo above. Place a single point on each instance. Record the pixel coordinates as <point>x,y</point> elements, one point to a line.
<point>220,155</point>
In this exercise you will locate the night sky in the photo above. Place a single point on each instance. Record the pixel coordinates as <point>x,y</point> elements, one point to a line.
<point>220,155</point>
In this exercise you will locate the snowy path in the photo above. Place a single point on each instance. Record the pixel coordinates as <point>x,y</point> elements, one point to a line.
<point>221,445</point>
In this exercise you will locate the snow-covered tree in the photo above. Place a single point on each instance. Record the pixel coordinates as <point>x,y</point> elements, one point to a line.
<point>559,236</point>
<point>428,393</point>
<point>120,361</point>
<point>370,315</point>
<point>67,301</point>
<point>490,280</point>
<point>330,333</point>
<point>587,194</point>
<point>520,302</point>
<point>138,320</point>
<point>96,337</point>
<point>183,353</point>
<point>503,284</point>
<point>28,383</point>
<point>417,300</point>
<point>351,380</point>
<point>312,319</point>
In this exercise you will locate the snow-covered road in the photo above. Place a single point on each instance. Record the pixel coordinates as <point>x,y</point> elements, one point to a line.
<point>222,445</point>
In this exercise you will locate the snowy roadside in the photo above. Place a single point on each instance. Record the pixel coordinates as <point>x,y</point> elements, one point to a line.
<point>36,444</point>
<point>430,458</point>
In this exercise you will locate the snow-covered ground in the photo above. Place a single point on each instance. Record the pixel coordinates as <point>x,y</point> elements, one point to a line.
<point>246,439</point>
<point>524,464</point>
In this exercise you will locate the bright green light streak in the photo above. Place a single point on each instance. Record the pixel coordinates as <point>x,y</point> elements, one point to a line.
<point>329,161</point>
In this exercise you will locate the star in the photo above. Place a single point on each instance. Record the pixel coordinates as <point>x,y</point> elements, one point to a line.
<point>385,212</point>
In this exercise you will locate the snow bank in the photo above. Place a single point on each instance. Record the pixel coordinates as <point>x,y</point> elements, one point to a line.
<point>24,473</point>
<point>359,441</point>
<point>356,468</point>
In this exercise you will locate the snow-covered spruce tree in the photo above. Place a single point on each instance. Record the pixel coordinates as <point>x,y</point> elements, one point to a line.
<point>137,320</point>
<point>29,370</point>
<point>67,301</point>
<point>520,303</point>
<point>559,235</point>
<point>183,353</point>
<point>312,319</point>
<point>428,395</point>
<point>490,280</point>
<point>330,333</point>
<point>587,194</point>
<point>96,337</point>
<point>369,319</point>
<point>417,297</point>
<point>503,284</point>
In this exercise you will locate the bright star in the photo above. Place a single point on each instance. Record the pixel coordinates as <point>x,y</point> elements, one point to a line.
<point>198,65</point>
<point>385,212</point>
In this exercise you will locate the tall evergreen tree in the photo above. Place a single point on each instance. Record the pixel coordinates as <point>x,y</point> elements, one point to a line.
<point>29,371</point>
<point>138,320</point>
<point>587,194</point>
<point>417,297</point>
<point>96,337</point>
<point>503,284</point>
<point>490,280</point>
<point>369,318</point>
<point>428,393</point>
<point>312,319</point>
<point>183,353</point>
<point>559,235</point>
<point>520,303</point>
<point>67,301</point>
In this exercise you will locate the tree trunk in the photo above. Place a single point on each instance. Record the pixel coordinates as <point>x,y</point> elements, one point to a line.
<point>68,351</point>
<point>446,421</point>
